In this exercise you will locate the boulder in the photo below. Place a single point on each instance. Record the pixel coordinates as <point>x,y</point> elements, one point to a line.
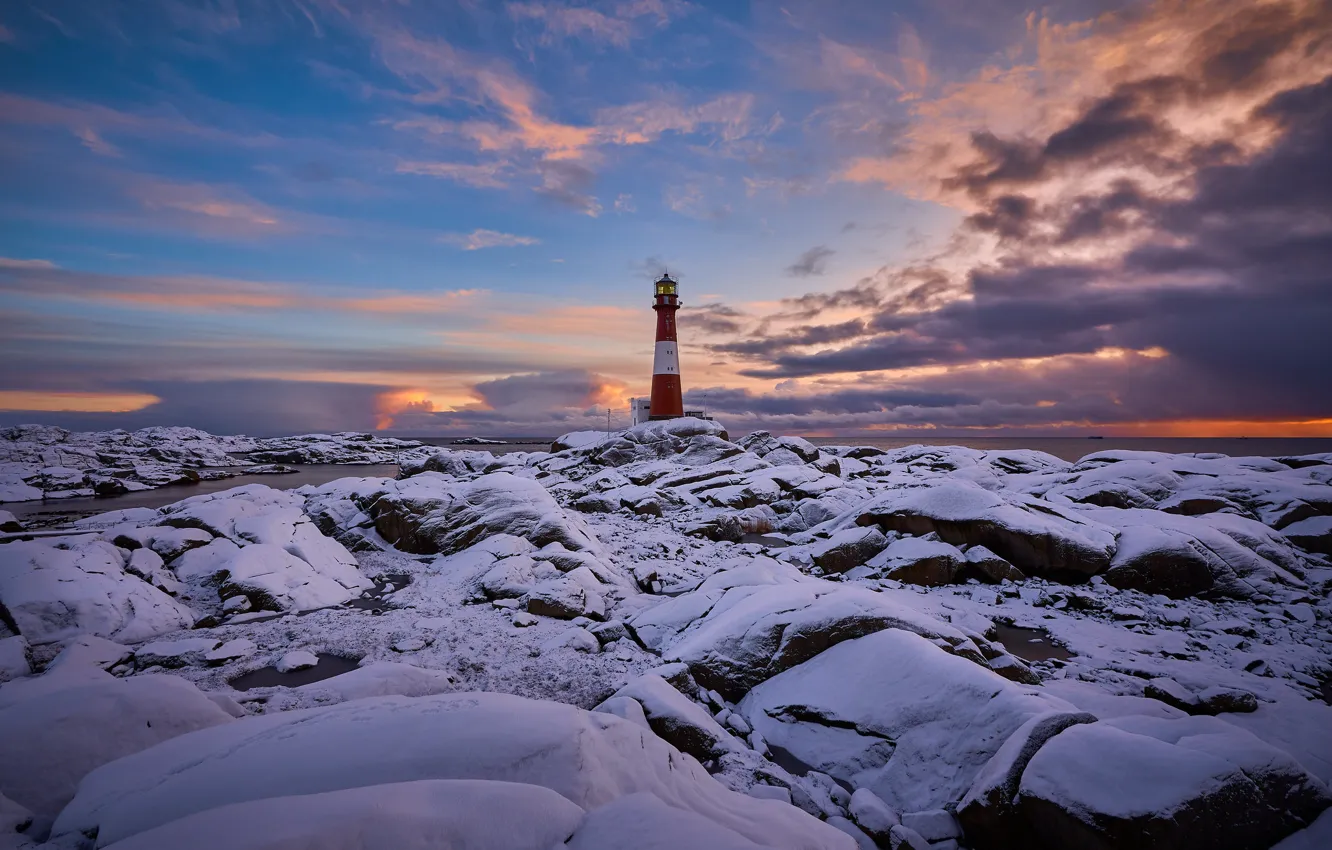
<point>989,812</point>
<point>272,578</point>
<point>1038,538</point>
<point>589,758</point>
<point>472,813</point>
<point>753,633</point>
<point>49,594</point>
<point>60,726</point>
<point>722,527</point>
<point>873,815</point>
<point>432,513</point>
<point>676,719</point>
<point>894,713</point>
<point>1312,535</point>
<point>1179,556</point>
<point>848,548</point>
<point>916,560</point>
<point>990,567</point>
<point>1148,783</point>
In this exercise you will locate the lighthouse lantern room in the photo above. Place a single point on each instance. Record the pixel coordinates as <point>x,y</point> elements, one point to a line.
<point>666,398</point>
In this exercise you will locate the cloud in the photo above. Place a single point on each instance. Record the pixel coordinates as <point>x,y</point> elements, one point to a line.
<point>1149,244</point>
<point>482,238</point>
<point>480,175</point>
<point>256,407</point>
<point>618,26</point>
<point>812,262</point>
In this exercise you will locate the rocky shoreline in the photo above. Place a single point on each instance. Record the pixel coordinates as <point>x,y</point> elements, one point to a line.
<point>664,635</point>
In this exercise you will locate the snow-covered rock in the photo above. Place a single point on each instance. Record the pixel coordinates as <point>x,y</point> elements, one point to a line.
<point>589,758</point>
<point>754,633</point>
<point>848,548</point>
<point>917,560</point>
<point>1037,538</point>
<point>1188,783</point>
<point>55,589</point>
<point>471,813</point>
<point>894,713</point>
<point>14,661</point>
<point>677,719</point>
<point>433,513</point>
<point>379,679</point>
<point>989,812</point>
<point>58,727</point>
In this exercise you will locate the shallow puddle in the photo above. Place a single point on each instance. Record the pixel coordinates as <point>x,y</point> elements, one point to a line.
<point>1030,644</point>
<point>765,540</point>
<point>268,677</point>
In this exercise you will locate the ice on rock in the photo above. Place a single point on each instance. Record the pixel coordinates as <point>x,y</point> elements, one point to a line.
<point>51,593</point>
<point>589,758</point>
<point>894,713</point>
<point>8,522</point>
<point>470,813</point>
<point>1188,783</point>
<point>60,726</point>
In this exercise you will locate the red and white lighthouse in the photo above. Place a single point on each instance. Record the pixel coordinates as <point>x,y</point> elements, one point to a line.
<point>666,400</point>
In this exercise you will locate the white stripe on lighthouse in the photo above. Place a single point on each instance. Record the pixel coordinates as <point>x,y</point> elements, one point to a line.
<point>666,359</point>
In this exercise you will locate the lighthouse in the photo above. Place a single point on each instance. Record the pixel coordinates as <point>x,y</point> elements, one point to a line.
<point>666,400</point>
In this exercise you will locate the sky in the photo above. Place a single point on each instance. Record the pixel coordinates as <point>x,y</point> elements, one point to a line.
<point>887,216</point>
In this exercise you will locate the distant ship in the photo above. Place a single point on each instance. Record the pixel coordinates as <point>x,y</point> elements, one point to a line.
<point>1095,437</point>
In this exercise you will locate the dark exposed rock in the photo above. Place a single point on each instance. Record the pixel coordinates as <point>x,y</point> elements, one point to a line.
<point>1206,785</point>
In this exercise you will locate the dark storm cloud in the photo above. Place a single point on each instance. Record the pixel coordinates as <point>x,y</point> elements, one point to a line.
<point>812,262</point>
<point>541,390</point>
<point>255,407</point>
<point>808,335</point>
<point>1235,282</point>
<point>845,401</point>
<point>712,319</point>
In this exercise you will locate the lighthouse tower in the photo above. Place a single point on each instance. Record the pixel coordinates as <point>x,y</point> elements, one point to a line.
<point>666,400</point>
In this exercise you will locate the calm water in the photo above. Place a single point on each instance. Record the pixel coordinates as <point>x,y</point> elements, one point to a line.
<point>39,514</point>
<point>1075,448</point>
